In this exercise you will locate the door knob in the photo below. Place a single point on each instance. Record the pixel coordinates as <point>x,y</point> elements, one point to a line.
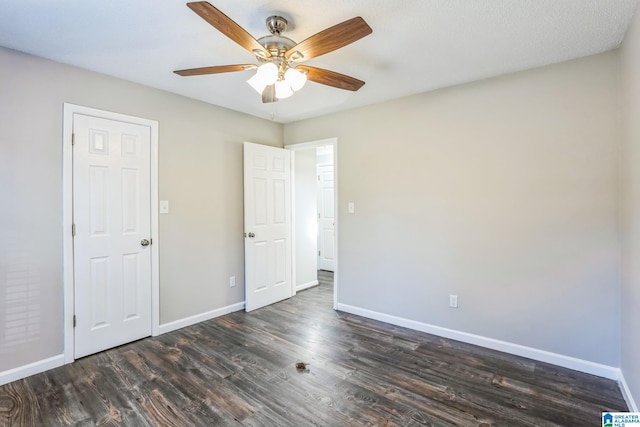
<point>252,235</point>
<point>144,242</point>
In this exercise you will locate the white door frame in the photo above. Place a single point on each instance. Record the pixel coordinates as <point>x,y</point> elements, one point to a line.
<point>67,217</point>
<point>305,146</point>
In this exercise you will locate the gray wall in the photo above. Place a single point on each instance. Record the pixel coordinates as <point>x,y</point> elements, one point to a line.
<point>630,90</point>
<point>200,149</point>
<point>504,192</point>
<point>306,217</point>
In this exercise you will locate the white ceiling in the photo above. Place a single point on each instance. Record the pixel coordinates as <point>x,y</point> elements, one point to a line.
<point>416,45</point>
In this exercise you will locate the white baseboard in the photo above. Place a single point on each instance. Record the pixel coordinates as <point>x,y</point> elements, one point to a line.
<point>516,349</point>
<point>31,369</point>
<point>307,285</point>
<point>56,361</point>
<point>192,320</point>
<point>626,393</point>
<point>506,347</point>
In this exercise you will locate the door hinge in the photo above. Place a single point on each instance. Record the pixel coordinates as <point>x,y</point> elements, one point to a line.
<point>74,320</point>
<point>318,215</point>
<point>318,253</point>
<point>73,139</point>
<point>318,177</point>
<point>73,230</point>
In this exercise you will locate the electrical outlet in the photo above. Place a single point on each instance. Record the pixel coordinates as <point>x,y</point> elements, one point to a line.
<point>453,301</point>
<point>232,281</point>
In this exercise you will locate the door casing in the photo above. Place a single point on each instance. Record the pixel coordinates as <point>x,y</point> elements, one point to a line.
<point>67,217</point>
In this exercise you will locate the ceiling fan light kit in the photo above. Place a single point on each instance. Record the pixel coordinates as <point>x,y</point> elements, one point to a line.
<point>286,79</point>
<point>279,74</point>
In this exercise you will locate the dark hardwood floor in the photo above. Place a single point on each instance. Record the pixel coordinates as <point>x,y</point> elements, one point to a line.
<point>239,370</point>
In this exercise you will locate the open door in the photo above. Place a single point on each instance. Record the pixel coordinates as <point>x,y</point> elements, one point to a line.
<point>267,225</point>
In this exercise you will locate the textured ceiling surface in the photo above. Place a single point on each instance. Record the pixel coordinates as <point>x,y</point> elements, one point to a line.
<point>416,45</point>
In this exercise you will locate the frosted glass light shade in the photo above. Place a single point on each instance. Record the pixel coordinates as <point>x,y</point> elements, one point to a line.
<point>283,90</point>
<point>268,73</point>
<point>257,83</point>
<point>295,79</point>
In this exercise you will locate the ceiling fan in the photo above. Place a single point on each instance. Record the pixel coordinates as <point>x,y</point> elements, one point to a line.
<point>279,73</point>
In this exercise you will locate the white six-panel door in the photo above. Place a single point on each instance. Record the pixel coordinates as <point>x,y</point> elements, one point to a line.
<point>326,218</point>
<point>112,218</point>
<point>267,225</point>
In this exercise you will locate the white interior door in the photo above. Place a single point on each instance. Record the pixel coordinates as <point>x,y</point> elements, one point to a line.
<point>326,218</point>
<point>267,225</point>
<point>112,221</point>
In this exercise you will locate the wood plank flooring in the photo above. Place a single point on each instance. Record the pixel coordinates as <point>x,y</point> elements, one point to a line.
<point>239,370</point>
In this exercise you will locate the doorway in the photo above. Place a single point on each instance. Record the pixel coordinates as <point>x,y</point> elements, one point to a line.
<point>315,219</point>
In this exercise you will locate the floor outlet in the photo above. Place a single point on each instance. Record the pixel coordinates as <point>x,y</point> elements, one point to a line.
<point>453,301</point>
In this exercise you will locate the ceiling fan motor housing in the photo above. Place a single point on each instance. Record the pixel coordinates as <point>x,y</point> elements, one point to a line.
<point>276,45</point>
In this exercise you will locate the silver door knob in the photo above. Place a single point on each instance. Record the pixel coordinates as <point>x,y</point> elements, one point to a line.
<point>145,242</point>
<point>252,235</point>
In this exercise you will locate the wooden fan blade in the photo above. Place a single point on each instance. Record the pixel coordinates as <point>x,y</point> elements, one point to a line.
<point>331,39</point>
<point>331,78</point>
<point>215,70</point>
<point>227,26</point>
<point>269,94</point>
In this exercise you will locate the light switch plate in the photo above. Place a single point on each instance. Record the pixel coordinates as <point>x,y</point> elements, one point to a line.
<point>351,207</point>
<point>164,206</point>
<point>453,301</point>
